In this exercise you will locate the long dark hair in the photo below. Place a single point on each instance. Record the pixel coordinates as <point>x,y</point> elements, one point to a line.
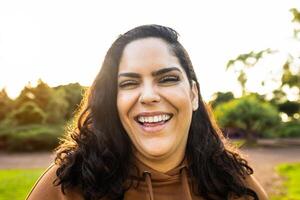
<point>96,155</point>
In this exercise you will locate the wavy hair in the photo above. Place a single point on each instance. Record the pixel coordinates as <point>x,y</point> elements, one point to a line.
<point>96,154</point>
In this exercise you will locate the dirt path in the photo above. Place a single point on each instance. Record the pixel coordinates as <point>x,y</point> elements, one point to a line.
<point>263,161</point>
<point>25,160</point>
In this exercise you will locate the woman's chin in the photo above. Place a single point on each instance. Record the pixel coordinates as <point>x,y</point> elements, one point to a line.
<point>157,151</point>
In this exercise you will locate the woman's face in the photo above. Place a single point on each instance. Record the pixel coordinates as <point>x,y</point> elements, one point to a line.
<point>155,100</point>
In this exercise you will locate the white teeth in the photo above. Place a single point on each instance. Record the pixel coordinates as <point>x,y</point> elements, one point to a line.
<point>157,118</point>
<point>168,117</point>
<point>151,119</point>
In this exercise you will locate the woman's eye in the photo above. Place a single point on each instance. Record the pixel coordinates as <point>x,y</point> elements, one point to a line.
<point>127,84</point>
<point>169,79</point>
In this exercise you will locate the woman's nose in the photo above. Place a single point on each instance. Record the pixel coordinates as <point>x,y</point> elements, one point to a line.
<point>149,95</point>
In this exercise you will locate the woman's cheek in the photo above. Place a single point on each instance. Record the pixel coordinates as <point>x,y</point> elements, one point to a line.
<point>125,98</point>
<point>178,94</point>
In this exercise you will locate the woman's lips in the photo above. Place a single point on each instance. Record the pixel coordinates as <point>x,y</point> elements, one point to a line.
<point>153,127</point>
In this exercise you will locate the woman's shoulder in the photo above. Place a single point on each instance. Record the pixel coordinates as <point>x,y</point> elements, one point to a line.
<point>45,189</point>
<point>253,184</point>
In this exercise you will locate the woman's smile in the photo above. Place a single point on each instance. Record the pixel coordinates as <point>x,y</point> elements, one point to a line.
<point>153,122</point>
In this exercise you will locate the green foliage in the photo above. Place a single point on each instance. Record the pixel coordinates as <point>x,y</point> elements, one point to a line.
<point>288,77</point>
<point>73,95</point>
<point>42,104</point>
<point>279,97</point>
<point>42,94</point>
<point>57,107</point>
<point>28,113</point>
<point>220,97</point>
<point>34,121</point>
<point>285,130</point>
<point>248,113</point>
<point>26,95</point>
<point>296,15</point>
<point>6,104</point>
<point>291,175</point>
<point>39,95</point>
<point>290,108</point>
<point>16,183</point>
<point>30,137</point>
<point>296,19</point>
<point>291,80</point>
<point>238,142</point>
<point>248,60</point>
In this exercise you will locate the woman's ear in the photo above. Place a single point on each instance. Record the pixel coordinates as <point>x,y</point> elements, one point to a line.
<point>195,95</point>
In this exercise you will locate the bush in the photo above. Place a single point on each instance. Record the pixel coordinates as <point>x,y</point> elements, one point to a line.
<point>248,113</point>
<point>28,113</point>
<point>285,130</point>
<point>30,137</point>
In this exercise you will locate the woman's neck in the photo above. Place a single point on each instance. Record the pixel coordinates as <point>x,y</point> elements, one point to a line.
<point>162,164</point>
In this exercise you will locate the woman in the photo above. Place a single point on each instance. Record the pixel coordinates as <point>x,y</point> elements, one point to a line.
<point>144,132</point>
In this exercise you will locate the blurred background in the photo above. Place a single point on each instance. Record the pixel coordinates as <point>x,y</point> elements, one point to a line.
<point>246,55</point>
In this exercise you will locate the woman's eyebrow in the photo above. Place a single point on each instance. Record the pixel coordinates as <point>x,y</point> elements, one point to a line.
<point>155,73</point>
<point>165,70</point>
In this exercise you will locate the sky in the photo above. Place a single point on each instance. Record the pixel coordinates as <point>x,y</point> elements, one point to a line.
<point>65,41</point>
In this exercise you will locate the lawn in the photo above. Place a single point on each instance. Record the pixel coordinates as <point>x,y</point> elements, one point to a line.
<point>16,183</point>
<point>291,185</point>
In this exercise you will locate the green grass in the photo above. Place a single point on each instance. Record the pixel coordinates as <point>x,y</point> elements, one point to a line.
<point>238,142</point>
<point>16,183</point>
<point>291,185</point>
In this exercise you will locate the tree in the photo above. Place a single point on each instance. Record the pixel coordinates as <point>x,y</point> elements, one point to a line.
<point>26,95</point>
<point>220,97</point>
<point>73,96</point>
<point>296,20</point>
<point>59,103</point>
<point>39,94</point>
<point>42,94</point>
<point>248,113</point>
<point>57,107</point>
<point>291,108</point>
<point>28,113</point>
<point>248,60</point>
<point>6,104</point>
<point>290,79</point>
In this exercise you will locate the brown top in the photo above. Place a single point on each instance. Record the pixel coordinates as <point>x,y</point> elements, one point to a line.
<point>153,185</point>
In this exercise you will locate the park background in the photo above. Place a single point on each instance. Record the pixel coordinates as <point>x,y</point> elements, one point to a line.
<point>246,55</point>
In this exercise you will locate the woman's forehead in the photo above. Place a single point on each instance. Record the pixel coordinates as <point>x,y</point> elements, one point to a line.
<point>149,44</point>
<point>147,53</point>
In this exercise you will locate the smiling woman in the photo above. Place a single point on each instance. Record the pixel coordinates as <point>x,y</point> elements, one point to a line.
<point>144,132</point>
<point>155,102</point>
